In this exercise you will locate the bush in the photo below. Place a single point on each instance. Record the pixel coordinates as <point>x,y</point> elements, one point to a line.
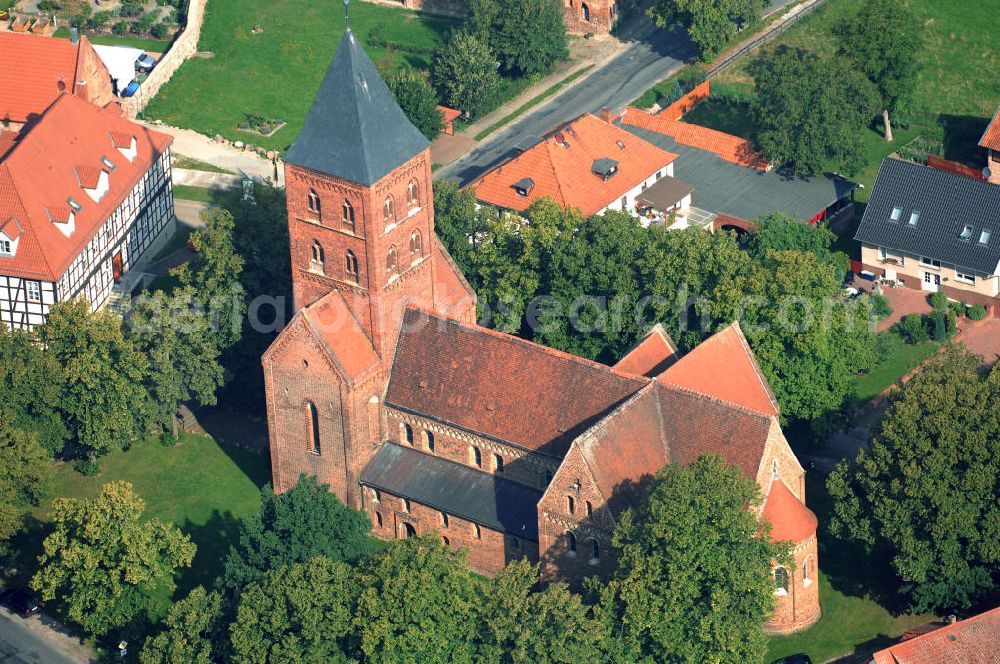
<point>128,10</point>
<point>912,329</point>
<point>977,312</point>
<point>952,323</point>
<point>120,28</point>
<point>957,308</point>
<point>87,467</point>
<point>940,331</point>
<point>146,23</point>
<point>939,301</point>
<point>168,439</point>
<point>880,307</point>
<point>160,30</point>
<point>99,20</point>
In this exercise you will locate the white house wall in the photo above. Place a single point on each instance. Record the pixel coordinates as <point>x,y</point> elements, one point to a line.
<point>633,193</point>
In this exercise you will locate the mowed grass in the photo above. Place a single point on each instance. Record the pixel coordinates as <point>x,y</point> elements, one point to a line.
<point>906,358</point>
<point>731,118</point>
<point>202,488</point>
<point>852,591</point>
<point>151,45</point>
<point>276,73</point>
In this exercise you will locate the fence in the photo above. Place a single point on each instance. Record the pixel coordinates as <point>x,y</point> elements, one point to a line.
<point>937,162</point>
<point>785,23</point>
<point>184,46</point>
<point>680,107</point>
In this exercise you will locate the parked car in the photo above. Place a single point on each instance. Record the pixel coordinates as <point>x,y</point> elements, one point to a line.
<point>132,88</point>
<point>20,601</point>
<point>145,63</point>
<point>800,658</point>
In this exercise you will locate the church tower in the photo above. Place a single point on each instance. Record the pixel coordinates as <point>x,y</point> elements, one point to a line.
<point>360,212</point>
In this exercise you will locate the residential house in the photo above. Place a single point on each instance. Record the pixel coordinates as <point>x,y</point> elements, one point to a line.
<point>85,196</point>
<point>932,230</point>
<point>975,640</point>
<point>990,142</point>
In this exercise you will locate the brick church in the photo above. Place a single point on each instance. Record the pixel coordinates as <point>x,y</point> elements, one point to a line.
<point>384,387</point>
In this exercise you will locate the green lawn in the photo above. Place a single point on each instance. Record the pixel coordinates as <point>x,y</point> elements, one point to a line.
<point>732,118</point>
<point>179,239</point>
<point>900,363</point>
<point>276,73</point>
<point>201,487</point>
<point>850,592</point>
<point>152,45</point>
<point>189,193</point>
<point>196,165</point>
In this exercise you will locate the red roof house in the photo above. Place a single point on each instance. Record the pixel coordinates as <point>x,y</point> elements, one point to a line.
<point>975,640</point>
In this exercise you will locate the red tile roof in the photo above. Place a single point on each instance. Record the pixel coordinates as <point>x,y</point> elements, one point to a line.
<point>724,367</point>
<point>731,148</point>
<point>972,641</point>
<point>500,386</point>
<point>8,139</point>
<point>560,168</point>
<point>991,137</point>
<point>791,521</point>
<point>38,176</point>
<point>37,70</point>
<point>341,336</point>
<point>449,114</point>
<point>452,293</point>
<point>651,356</point>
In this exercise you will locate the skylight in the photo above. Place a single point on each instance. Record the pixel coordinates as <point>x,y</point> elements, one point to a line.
<point>966,233</point>
<point>896,214</point>
<point>620,144</point>
<point>914,217</point>
<point>107,162</point>
<point>73,204</point>
<point>984,237</point>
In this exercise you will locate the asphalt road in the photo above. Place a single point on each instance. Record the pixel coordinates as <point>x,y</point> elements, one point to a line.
<point>18,645</point>
<point>652,55</point>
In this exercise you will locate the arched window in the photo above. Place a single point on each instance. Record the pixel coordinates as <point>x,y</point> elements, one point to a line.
<point>406,505</point>
<point>429,439</point>
<point>406,434</point>
<point>590,509</point>
<point>780,580</point>
<point>390,261</point>
<point>318,256</point>
<point>498,463</point>
<point>476,531</point>
<point>444,519</point>
<point>475,457</point>
<point>312,424</point>
<point>571,544</point>
<point>585,12</point>
<point>348,211</point>
<point>351,265</point>
<point>595,551</point>
<point>571,504</point>
<point>378,519</point>
<point>390,214</point>
<point>416,245</point>
<point>313,202</point>
<point>376,496</point>
<point>409,531</point>
<point>774,470</point>
<point>807,571</point>
<point>412,192</point>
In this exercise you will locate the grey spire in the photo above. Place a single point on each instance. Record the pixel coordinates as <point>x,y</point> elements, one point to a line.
<point>355,130</point>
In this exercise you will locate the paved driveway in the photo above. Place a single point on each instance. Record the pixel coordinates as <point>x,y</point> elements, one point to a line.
<point>982,338</point>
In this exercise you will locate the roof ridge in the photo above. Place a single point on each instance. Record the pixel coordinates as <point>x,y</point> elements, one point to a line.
<point>765,417</point>
<point>327,349</point>
<point>586,436</point>
<point>756,366</point>
<point>514,339</point>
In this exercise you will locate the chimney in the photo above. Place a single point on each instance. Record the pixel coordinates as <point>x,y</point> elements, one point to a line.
<point>74,35</point>
<point>606,115</point>
<point>952,619</point>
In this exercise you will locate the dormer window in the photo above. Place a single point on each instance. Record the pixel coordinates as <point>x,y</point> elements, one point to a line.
<point>523,186</point>
<point>127,145</point>
<point>914,217</point>
<point>896,214</point>
<point>966,233</point>
<point>10,235</point>
<point>984,237</point>
<point>6,247</point>
<point>604,167</point>
<point>94,181</point>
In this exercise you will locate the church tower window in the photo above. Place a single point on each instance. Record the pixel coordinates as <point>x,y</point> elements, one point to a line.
<point>390,215</point>
<point>312,426</point>
<point>351,265</point>
<point>348,211</point>
<point>570,544</point>
<point>475,457</point>
<point>412,193</point>
<point>390,262</point>
<point>313,203</point>
<point>318,257</point>
<point>416,245</point>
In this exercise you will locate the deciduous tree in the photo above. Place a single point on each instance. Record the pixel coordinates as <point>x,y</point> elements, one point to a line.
<point>193,627</point>
<point>304,522</point>
<point>464,72</point>
<point>417,99</point>
<point>24,467</point>
<point>103,395</point>
<point>694,581</point>
<point>926,494</point>
<point>527,36</point>
<point>303,613</point>
<point>102,557</point>
<point>884,40</point>
<point>31,384</point>
<point>712,24</point>
<point>810,111</point>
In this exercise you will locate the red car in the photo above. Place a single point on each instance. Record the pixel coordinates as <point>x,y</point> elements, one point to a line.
<point>20,602</point>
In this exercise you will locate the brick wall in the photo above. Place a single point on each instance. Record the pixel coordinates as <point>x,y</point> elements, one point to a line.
<point>489,551</point>
<point>185,45</point>
<point>798,608</point>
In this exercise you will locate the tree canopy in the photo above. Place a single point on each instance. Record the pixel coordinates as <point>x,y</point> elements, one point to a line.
<point>417,99</point>
<point>191,631</point>
<point>694,581</point>
<point>102,557</point>
<point>24,467</point>
<point>31,385</point>
<point>927,493</point>
<point>527,36</point>
<point>464,71</point>
<point>306,521</point>
<point>810,111</point>
<point>711,24</point>
<point>884,40</point>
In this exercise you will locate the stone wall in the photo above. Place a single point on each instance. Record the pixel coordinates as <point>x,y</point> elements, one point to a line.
<point>184,46</point>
